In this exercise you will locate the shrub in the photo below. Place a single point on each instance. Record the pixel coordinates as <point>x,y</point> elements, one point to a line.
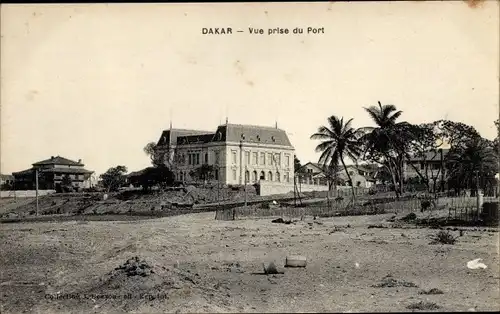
<point>490,213</point>
<point>432,291</point>
<point>444,237</point>
<point>409,217</point>
<point>424,306</point>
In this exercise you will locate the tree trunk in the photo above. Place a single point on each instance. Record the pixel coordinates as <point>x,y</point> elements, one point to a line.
<point>401,175</point>
<point>393,177</point>
<point>350,180</point>
<point>407,157</point>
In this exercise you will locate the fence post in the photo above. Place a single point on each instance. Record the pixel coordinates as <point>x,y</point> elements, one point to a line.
<point>479,202</point>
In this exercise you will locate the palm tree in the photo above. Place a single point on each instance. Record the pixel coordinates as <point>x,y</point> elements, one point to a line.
<point>387,139</point>
<point>338,140</point>
<point>466,163</point>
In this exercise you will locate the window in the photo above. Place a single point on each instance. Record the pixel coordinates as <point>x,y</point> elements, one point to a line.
<point>247,158</point>
<point>278,177</point>
<point>217,157</point>
<point>421,166</point>
<point>247,176</point>
<point>262,175</point>
<point>286,177</point>
<point>206,158</point>
<point>216,174</point>
<point>233,157</point>
<point>270,176</point>
<point>287,160</point>
<point>269,159</point>
<point>198,159</point>
<point>234,174</point>
<point>254,176</point>
<point>190,159</point>
<point>262,158</point>
<point>277,159</point>
<point>254,158</point>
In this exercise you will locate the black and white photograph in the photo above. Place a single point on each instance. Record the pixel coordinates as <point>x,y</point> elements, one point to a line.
<point>250,157</point>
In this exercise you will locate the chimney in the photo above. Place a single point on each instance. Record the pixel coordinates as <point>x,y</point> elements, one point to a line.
<point>51,157</point>
<point>79,161</point>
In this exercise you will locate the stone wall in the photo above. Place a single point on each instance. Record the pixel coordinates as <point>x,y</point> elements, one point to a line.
<point>26,193</point>
<point>272,187</point>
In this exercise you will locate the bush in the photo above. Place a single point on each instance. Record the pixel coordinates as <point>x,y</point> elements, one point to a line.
<point>490,213</point>
<point>431,291</point>
<point>444,237</point>
<point>409,217</point>
<point>424,306</point>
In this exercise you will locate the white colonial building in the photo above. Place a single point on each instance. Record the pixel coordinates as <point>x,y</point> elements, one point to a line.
<point>235,152</point>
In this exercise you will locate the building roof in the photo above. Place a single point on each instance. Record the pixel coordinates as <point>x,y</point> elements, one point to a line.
<point>195,139</point>
<point>66,170</point>
<point>314,164</point>
<point>6,177</point>
<point>371,169</point>
<point>58,160</point>
<point>251,133</point>
<point>23,172</point>
<point>226,133</point>
<point>169,137</point>
<point>431,155</point>
<point>53,170</point>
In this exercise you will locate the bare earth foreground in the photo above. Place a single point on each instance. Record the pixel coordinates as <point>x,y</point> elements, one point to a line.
<point>203,265</point>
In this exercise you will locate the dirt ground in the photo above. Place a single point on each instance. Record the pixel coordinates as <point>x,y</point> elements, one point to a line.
<point>202,265</point>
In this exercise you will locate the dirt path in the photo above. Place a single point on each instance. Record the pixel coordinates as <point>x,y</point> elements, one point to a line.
<point>203,265</point>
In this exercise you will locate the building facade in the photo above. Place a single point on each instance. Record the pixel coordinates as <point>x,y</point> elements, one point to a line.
<point>361,175</point>
<point>430,165</point>
<point>52,174</point>
<point>234,154</point>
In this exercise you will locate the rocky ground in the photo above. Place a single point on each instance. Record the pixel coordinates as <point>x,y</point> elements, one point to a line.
<point>193,263</point>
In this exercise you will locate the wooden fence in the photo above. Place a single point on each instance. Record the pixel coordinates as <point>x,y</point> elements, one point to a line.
<point>457,208</point>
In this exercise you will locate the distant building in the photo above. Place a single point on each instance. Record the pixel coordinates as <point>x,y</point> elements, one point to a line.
<point>6,180</point>
<point>361,175</point>
<point>235,153</point>
<point>52,172</point>
<point>312,173</point>
<point>431,164</point>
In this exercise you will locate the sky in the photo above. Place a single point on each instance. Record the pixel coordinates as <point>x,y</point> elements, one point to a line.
<point>97,82</point>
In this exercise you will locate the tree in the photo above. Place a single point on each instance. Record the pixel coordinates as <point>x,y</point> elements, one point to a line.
<point>455,133</point>
<point>155,176</point>
<point>154,154</point>
<point>296,164</point>
<point>67,183</point>
<point>338,141</point>
<point>204,172</point>
<point>471,162</point>
<point>113,178</point>
<point>496,141</point>
<point>384,144</point>
<point>423,143</point>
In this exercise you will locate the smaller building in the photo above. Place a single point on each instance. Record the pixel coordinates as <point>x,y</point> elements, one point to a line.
<point>431,165</point>
<point>53,174</point>
<point>312,173</point>
<point>361,175</point>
